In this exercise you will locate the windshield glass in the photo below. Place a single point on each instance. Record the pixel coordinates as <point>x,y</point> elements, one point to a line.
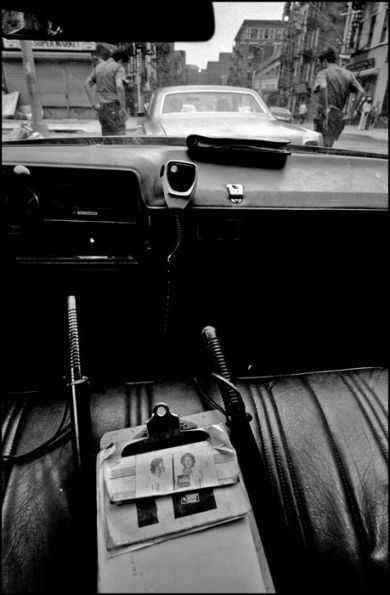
<point>324,62</point>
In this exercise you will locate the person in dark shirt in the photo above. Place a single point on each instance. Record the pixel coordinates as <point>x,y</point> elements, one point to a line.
<point>333,87</point>
<point>110,99</point>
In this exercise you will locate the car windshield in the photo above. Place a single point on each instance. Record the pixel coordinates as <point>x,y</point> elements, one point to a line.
<point>325,62</point>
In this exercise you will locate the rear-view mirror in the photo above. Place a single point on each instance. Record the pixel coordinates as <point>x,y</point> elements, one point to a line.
<point>125,21</point>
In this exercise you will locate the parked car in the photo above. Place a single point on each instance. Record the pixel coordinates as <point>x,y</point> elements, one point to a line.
<point>281,113</point>
<point>219,110</point>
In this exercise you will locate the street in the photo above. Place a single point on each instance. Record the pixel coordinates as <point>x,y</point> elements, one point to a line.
<point>374,140</point>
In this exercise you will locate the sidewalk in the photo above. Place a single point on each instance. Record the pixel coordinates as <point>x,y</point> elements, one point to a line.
<point>70,125</point>
<point>376,133</point>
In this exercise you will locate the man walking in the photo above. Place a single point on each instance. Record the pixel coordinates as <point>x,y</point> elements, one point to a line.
<point>333,86</point>
<point>110,98</point>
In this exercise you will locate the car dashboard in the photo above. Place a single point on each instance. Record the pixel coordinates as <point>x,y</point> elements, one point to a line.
<point>303,239</point>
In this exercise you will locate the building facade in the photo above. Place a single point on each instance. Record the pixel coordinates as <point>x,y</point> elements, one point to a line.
<point>366,47</point>
<point>311,27</point>
<point>256,42</point>
<point>217,71</point>
<point>266,81</point>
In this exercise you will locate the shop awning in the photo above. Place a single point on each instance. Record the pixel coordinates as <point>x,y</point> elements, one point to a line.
<point>368,72</point>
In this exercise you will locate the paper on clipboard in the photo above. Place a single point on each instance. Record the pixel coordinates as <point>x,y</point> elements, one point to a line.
<point>205,464</point>
<point>151,520</point>
<point>200,489</point>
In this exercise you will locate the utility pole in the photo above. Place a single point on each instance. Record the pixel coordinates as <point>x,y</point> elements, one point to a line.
<point>32,87</point>
<point>140,107</point>
<point>347,27</point>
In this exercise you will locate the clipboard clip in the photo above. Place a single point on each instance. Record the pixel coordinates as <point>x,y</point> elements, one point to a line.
<point>165,430</point>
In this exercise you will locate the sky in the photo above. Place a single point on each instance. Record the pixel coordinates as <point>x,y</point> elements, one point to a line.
<point>228,19</point>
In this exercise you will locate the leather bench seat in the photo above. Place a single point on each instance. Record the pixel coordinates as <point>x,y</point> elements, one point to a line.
<point>322,435</point>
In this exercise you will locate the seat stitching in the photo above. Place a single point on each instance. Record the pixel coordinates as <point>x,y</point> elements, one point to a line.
<point>381,445</point>
<point>302,510</point>
<point>353,508</point>
<point>372,392</point>
<point>12,434</point>
<point>262,440</point>
<point>292,521</point>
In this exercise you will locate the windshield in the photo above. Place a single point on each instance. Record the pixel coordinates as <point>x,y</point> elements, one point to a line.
<point>324,62</point>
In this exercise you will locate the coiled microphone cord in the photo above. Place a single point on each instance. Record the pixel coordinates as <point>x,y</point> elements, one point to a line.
<point>168,288</point>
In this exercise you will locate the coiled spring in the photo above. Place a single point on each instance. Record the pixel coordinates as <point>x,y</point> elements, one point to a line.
<point>73,334</point>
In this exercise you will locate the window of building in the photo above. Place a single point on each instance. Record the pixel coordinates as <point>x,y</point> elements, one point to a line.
<point>359,35</point>
<point>384,28</point>
<point>372,27</point>
<point>261,33</point>
<point>265,33</point>
<point>271,33</point>
<point>254,33</point>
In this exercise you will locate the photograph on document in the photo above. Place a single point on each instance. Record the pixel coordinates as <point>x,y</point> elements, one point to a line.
<point>194,467</point>
<point>153,473</point>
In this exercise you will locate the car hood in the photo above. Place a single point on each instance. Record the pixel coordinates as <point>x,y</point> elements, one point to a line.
<point>228,125</point>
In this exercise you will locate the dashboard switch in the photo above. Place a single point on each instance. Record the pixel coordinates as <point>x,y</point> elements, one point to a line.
<point>236,192</point>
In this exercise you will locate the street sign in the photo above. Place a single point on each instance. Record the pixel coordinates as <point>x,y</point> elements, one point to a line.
<point>345,57</point>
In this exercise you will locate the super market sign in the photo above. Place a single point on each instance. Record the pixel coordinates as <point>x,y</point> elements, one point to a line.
<point>78,46</point>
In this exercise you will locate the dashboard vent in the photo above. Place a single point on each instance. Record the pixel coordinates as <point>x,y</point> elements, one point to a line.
<point>77,194</point>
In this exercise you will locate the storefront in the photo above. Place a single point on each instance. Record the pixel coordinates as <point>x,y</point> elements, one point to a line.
<point>61,69</point>
<point>372,73</point>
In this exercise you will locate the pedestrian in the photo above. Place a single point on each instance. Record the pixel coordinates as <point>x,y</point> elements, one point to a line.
<point>302,112</point>
<point>374,115</point>
<point>332,87</point>
<point>366,110</point>
<point>110,99</point>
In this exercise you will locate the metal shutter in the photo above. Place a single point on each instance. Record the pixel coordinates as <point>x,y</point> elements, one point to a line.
<point>51,83</point>
<point>76,72</point>
<point>16,80</point>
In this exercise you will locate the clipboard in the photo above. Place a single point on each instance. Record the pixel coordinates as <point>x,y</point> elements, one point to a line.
<point>182,564</point>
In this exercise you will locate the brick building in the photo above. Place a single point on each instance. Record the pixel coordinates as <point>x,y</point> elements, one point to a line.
<point>256,42</point>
